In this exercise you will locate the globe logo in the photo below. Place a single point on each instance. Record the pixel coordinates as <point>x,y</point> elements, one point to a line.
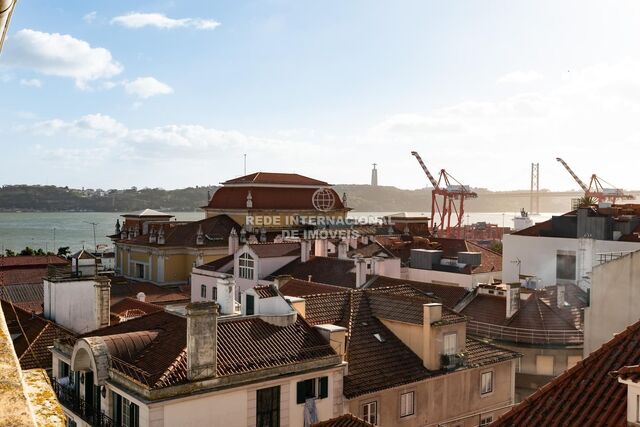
<point>323,199</point>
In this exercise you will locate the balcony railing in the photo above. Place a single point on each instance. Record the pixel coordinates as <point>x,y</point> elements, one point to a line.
<point>69,399</point>
<point>525,336</point>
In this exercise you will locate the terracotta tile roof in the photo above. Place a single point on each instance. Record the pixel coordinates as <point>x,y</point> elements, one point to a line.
<point>376,364</point>
<point>221,265</point>
<point>449,295</point>
<point>24,275</point>
<point>276,178</point>
<point>631,373</point>
<point>216,232</point>
<point>274,250</point>
<point>585,395</point>
<point>267,198</point>
<point>154,294</point>
<point>128,308</point>
<point>330,271</point>
<point>83,254</point>
<point>370,250</point>
<point>300,288</point>
<point>30,261</point>
<point>346,420</point>
<point>32,350</point>
<point>538,312</point>
<point>266,291</point>
<point>28,296</point>
<point>245,344</point>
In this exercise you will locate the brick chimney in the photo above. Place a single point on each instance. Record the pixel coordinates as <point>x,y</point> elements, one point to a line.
<point>202,338</point>
<point>343,249</point>
<point>102,302</point>
<point>305,249</point>
<point>361,270</point>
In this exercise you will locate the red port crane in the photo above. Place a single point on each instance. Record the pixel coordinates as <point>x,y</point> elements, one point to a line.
<point>596,189</point>
<point>447,199</point>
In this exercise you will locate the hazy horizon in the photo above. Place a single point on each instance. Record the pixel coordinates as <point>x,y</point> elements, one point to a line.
<point>169,94</point>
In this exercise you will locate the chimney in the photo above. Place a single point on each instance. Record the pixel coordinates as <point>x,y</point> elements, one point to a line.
<point>226,291</point>
<point>513,299</point>
<point>361,270</point>
<point>234,242</point>
<point>298,304</point>
<point>102,302</point>
<point>160,237</point>
<point>202,337</point>
<point>336,336</point>
<point>321,247</point>
<point>305,248</point>
<point>263,235</point>
<point>249,200</point>
<point>280,280</point>
<point>141,296</point>
<point>378,265</point>
<point>243,235</point>
<point>432,312</point>
<point>343,248</point>
<point>200,236</point>
<point>153,237</point>
<point>560,298</point>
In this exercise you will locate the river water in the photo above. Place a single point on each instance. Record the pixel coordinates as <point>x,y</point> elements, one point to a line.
<point>47,230</point>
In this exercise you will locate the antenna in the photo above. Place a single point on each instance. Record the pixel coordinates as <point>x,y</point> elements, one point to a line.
<point>95,245</point>
<point>245,163</point>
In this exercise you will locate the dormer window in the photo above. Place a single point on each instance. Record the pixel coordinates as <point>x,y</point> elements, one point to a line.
<point>246,266</point>
<point>450,343</point>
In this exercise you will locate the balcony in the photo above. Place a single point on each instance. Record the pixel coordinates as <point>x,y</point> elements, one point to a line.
<point>525,336</point>
<point>76,404</point>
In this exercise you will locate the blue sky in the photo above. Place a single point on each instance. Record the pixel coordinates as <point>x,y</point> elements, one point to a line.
<point>171,94</point>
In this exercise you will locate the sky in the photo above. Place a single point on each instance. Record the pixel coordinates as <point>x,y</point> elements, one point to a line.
<point>171,94</point>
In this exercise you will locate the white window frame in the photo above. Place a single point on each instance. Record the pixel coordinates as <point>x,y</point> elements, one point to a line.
<point>368,415</point>
<point>407,404</point>
<point>246,266</point>
<point>486,390</point>
<point>486,420</point>
<point>447,348</point>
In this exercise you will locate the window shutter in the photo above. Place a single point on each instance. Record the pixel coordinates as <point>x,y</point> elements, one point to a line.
<point>300,392</point>
<point>324,387</point>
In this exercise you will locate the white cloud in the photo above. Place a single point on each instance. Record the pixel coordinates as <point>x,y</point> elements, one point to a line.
<point>31,82</point>
<point>91,126</point>
<point>146,87</point>
<point>90,17</point>
<point>520,77</point>
<point>158,20</point>
<point>60,55</point>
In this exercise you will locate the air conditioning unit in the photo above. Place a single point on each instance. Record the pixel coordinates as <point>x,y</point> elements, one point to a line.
<point>450,362</point>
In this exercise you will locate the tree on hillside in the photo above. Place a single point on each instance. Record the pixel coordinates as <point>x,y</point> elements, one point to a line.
<point>27,252</point>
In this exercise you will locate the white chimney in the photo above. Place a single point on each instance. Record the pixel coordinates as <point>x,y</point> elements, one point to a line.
<point>234,242</point>
<point>279,281</point>
<point>202,337</point>
<point>249,200</point>
<point>321,247</point>
<point>513,299</point>
<point>226,291</point>
<point>343,249</point>
<point>560,297</point>
<point>102,303</point>
<point>200,236</point>
<point>378,265</point>
<point>141,296</point>
<point>305,249</point>
<point>361,270</point>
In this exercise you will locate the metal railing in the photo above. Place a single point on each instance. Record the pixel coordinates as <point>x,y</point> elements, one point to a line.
<point>525,336</point>
<point>610,256</point>
<point>69,399</point>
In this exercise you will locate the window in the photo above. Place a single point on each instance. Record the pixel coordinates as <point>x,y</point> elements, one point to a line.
<point>245,264</point>
<point>566,266</point>
<point>486,420</point>
<point>63,369</point>
<point>203,291</point>
<point>268,407</point>
<point>487,382</point>
<point>544,365</point>
<point>124,412</point>
<point>214,293</point>
<point>314,388</point>
<point>249,306</point>
<point>139,271</point>
<point>407,401</point>
<point>370,412</point>
<point>450,343</point>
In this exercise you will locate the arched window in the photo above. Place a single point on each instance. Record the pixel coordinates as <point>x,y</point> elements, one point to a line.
<point>203,291</point>
<point>246,266</point>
